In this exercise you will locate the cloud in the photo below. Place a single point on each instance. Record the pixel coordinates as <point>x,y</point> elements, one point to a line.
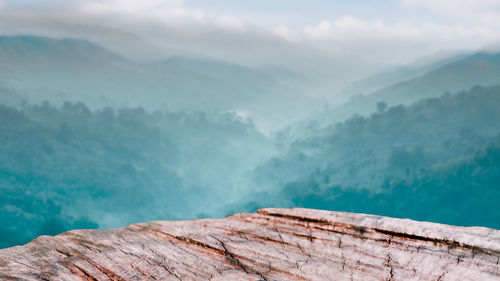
<point>170,11</point>
<point>453,7</point>
<point>228,22</point>
<point>286,33</point>
<point>393,35</point>
<point>471,12</point>
<point>40,6</point>
<point>349,28</point>
<point>400,40</point>
<point>160,10</point>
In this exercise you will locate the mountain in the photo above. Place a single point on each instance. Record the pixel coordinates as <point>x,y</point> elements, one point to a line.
<point>31,49</point>
<point>69,166</point>
<point>434,160</point>
<point>480,69</point>
<point>61,69</point>
<point>408,72</point>
<point>449,75</point>
<point>331,69</point>
<point>271,244</point>
<point>57,70</point>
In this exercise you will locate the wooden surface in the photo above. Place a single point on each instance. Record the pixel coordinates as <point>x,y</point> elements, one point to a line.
<point>272,244</point>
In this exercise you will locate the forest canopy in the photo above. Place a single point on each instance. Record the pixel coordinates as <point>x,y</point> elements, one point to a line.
<point>70,166</point>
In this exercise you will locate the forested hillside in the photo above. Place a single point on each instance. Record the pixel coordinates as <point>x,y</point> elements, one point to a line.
<point>196,137</point>
<point>437,159</point>
<point>66,167</point>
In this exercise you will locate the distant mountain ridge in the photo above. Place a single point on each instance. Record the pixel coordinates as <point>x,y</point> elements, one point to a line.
<point>403,73</point>
<point>33,47</point>
<point>450,75</point>
<point>481,69</point>
<point>57,70</point>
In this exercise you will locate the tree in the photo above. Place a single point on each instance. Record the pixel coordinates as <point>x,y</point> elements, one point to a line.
<point>381,106</point>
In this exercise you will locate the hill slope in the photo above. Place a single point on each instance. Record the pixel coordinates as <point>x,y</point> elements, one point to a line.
<point>437,160</point>
<point>57,70</point>
<point>481,69</point>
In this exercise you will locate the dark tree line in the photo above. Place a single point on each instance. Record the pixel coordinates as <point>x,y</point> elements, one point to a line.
<point>65,167</point>
<point>437,160</point>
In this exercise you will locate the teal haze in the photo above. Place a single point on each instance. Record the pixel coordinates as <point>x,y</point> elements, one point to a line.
<point>204,114</point>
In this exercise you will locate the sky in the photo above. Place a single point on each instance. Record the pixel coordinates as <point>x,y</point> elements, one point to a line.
<point>385,30</point>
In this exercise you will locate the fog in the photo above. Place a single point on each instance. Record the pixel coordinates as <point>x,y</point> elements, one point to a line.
<point>114,113</point>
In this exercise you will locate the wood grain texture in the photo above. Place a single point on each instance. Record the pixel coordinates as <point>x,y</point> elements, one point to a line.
<point>271,244</point>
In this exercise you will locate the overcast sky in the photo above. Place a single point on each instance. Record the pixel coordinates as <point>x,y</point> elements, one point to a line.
<point>392,30</point>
